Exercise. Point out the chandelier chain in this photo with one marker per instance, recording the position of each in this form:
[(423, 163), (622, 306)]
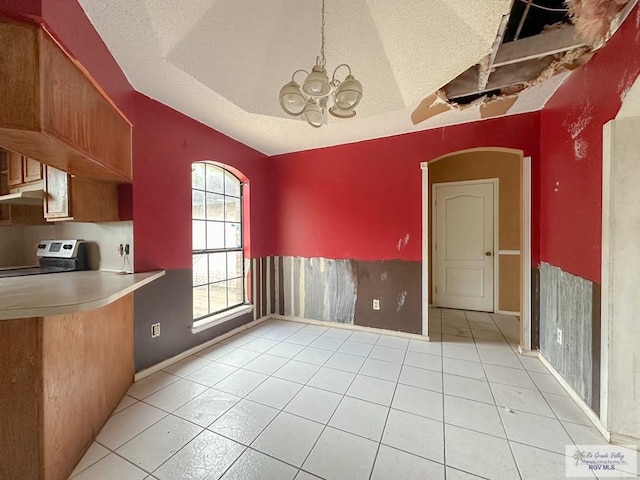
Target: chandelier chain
[(322, 34)]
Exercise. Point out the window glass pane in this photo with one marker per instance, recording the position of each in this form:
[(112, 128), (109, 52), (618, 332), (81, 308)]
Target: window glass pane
[(235, 292), (218, 296), (231, 185), (232, 209), (234, 264), (197, 175), (217, 267), (197, 204), (233, 238), (200, 301), (200, 270), (199, 239), (215, 206), (214, 178), (215, 235)]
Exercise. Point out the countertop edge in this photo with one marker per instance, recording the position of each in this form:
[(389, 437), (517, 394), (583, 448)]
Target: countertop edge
[(50, 310)]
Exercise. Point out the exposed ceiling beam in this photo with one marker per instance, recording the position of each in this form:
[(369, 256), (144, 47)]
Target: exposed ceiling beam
[(553, 41), (486, 65), (506, 76)]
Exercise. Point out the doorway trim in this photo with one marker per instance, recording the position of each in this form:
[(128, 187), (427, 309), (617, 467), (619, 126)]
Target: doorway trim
[(525, 257), (496, 223)]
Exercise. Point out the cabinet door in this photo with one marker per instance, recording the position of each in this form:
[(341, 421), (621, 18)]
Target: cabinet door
[(32, 170), (15, 169), (57, 200)]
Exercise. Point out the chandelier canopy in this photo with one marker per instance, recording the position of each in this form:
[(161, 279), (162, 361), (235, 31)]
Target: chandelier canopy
[(313, 99)]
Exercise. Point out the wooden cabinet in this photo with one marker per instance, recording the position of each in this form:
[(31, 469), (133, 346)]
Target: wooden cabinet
[(22, 170), (16, 214), (72, 198), (31, 170), (52, 111)]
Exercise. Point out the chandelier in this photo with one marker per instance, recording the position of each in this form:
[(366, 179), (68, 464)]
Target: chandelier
[(312, 100)]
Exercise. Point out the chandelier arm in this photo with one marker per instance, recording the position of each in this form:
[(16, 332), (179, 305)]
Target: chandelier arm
[(334, 81), (296, 72)]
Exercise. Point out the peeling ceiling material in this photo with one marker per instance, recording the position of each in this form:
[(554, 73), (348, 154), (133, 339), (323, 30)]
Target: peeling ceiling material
[(593, 18), (532, 56)]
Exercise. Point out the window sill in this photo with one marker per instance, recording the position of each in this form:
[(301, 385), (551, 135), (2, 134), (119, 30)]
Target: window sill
[(220, 318)]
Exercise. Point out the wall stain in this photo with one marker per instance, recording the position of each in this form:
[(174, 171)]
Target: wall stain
[(402, 296)]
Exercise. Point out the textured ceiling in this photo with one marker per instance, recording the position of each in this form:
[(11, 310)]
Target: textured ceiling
[(223, 62)]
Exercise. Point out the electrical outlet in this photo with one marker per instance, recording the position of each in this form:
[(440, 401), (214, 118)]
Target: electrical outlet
[(155, 330), (376, 304), (559, 336), (121, 249), (126, 249)]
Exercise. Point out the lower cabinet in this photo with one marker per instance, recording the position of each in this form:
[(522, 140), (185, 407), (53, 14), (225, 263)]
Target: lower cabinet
[(78, 199), (61, 377)]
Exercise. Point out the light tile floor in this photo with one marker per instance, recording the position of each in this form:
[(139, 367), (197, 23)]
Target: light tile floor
[(288, 400)]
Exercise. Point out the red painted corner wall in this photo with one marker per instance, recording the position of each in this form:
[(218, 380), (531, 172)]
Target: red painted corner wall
[(364, 200), (571, 150), (165, 143)]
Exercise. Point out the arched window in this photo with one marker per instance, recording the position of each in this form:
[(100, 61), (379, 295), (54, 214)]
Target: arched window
[(218, 265)]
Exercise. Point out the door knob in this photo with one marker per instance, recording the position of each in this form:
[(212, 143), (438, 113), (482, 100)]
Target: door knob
[(488, 254)]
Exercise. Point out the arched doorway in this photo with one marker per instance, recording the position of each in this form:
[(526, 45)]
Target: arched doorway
[(506, 254)]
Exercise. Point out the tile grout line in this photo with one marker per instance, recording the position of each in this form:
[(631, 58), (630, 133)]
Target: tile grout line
[(386, 420), (504, 428), (444, 422)]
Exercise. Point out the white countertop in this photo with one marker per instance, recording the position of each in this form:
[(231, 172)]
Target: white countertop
[(60, 293)]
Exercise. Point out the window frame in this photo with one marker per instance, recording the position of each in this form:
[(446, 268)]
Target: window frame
[(218, 316)]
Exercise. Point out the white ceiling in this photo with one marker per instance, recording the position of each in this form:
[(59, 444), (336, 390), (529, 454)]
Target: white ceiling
[(223, 62)]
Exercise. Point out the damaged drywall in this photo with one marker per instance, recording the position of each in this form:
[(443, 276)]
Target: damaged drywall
[(575, 126), (566, 328), (316, 288), (343, 291), (495, 81)]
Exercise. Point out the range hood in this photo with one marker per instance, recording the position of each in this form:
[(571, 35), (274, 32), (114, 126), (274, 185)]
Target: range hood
[(27, 197)]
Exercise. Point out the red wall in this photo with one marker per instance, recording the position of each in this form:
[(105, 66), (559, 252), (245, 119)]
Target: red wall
[(165, 144), (359, 200), (571, 173)]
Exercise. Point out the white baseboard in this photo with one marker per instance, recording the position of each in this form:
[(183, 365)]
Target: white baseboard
[(357, 328), (528, 353), (508, 312), (620, 439), (581, 403), (198, 348)]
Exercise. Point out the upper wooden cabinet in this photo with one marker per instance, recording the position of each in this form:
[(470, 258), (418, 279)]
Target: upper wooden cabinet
[(22, 170), (53, 112), (78, 199)]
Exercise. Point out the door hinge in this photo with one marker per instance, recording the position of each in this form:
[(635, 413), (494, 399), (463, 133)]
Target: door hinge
[(436, 289)]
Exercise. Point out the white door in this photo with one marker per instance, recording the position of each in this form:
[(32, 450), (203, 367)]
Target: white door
[(463, 249)]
